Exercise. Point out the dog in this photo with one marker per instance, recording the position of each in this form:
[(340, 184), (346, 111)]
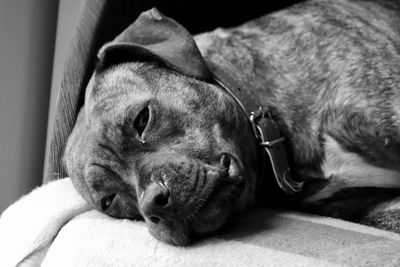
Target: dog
[(157, 139)]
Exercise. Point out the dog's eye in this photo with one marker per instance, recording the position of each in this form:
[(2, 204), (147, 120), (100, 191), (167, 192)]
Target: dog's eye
[(141, 121), (107, 201)]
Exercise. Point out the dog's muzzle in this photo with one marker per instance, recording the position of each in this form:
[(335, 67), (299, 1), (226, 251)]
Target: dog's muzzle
[(177, 195)]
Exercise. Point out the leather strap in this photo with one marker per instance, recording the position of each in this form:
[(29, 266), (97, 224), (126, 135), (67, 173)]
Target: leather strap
[(271, 139), (266, 130)]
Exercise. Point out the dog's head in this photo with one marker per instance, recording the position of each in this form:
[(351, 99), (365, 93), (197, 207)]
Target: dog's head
[(155, 140)]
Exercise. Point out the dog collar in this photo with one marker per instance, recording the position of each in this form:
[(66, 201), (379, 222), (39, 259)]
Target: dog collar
[(266, 130)]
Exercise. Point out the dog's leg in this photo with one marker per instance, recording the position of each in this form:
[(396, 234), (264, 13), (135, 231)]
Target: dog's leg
[(385, 215)]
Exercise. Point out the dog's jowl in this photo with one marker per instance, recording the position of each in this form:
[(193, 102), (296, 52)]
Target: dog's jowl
[(158, 139)]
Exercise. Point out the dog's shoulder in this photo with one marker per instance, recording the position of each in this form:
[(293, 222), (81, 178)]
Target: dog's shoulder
[(311, 20)]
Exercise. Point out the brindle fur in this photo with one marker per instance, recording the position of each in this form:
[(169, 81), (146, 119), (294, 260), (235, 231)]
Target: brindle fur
[(329, 70), (325, 69)]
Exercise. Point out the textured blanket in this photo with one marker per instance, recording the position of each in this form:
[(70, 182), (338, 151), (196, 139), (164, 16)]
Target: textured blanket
[(53, 226)]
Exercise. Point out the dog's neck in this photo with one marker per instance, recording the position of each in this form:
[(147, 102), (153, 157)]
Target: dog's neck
[(266, 131), (242, 68)]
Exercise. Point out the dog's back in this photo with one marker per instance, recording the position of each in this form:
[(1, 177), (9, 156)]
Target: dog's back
[(329, 70)]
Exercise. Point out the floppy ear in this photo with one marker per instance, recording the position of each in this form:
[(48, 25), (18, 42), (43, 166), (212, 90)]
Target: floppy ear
[(156, 37)]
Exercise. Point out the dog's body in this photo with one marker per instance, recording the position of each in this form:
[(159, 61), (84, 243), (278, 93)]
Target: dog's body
[(329, 71)]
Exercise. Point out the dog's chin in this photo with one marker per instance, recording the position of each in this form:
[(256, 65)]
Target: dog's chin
[(182, 233), (211, 218)]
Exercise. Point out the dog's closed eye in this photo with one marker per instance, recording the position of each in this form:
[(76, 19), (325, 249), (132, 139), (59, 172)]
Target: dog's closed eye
[(141, 122), (107, 201)]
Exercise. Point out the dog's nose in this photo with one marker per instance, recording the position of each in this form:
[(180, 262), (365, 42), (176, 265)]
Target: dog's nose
[(155, 202)]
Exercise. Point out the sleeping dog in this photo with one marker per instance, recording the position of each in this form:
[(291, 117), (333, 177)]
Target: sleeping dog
[(165, 136)]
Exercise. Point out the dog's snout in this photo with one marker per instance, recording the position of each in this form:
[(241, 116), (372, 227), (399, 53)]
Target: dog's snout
[(155, 202)]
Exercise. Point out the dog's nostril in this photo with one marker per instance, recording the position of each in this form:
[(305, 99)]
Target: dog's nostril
[(162, 199), (155, 219), (155, 203)]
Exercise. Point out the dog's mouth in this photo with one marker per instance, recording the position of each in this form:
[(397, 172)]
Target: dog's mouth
[(181, 216), (216, 210), (206, 218)]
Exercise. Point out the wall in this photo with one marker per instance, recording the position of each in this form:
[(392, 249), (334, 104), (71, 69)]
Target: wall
[(27, 36)]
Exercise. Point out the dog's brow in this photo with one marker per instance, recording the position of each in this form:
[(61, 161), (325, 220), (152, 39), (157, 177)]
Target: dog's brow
[(106, 168)]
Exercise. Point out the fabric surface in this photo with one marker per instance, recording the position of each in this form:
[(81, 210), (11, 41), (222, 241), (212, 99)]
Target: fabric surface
[(28, 227), (53, 226)]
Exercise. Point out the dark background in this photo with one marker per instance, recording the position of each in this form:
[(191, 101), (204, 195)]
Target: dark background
[(207, 15), (200, 16)]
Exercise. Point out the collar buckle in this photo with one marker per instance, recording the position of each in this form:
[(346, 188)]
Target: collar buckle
[(265, 130), (269, 137)]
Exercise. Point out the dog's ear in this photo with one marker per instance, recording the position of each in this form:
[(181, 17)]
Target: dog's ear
[(156, 37)]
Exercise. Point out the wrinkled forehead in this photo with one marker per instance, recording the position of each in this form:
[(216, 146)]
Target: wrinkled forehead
[(133, 84)]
